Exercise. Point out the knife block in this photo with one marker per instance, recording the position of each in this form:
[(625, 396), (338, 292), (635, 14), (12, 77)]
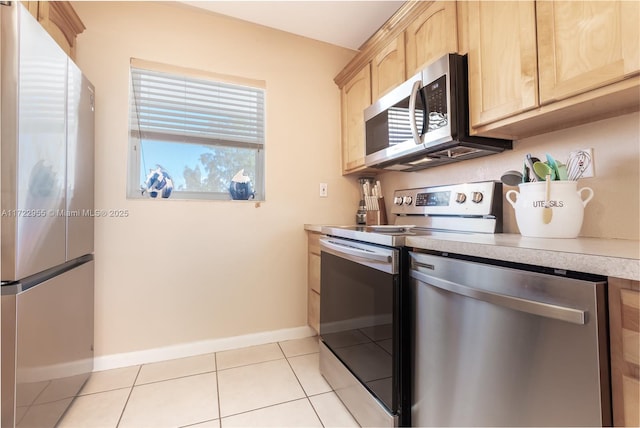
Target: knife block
[(376, 217)]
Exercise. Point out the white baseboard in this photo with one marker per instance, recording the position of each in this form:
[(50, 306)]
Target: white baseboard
[(114, 361)]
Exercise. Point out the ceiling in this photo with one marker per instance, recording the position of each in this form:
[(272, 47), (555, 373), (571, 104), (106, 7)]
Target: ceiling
[(343, 23)]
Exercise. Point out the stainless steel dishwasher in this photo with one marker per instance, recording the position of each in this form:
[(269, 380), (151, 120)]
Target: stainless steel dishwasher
[(504, 346)]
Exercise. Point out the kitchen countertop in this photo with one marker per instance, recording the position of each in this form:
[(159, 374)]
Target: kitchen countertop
[(618, 258)]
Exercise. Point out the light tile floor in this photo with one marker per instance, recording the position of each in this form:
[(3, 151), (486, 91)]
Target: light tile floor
[(273, 385)]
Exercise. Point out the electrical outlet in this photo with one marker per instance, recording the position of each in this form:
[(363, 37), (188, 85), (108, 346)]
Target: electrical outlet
[(580, 164), (589, 170), (324, 189)]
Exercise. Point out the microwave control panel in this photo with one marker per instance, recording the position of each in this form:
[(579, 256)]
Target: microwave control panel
[(435, 94)]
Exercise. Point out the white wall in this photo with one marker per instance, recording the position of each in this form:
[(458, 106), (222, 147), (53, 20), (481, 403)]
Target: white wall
[(175, 272), (614, 210)]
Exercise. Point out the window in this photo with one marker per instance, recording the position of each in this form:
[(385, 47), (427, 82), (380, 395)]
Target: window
[(191, 132)]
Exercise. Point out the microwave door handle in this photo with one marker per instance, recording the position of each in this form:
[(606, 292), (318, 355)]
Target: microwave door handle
[(412, 112)]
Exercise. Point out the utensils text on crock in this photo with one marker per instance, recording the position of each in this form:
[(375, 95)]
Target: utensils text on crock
[(542, 170), (577, 164), (512, 178), (547, 212)]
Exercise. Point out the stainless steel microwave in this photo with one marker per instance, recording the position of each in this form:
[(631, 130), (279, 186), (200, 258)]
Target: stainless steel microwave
[(424, 122)]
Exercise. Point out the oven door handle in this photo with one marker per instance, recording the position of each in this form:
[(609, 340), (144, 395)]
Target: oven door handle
[(354, 253), (546, 310)]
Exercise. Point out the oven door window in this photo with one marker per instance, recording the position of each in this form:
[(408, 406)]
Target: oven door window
[(357, 322)]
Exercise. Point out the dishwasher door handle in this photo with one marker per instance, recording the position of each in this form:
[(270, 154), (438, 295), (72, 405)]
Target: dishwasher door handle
[(546, 310)]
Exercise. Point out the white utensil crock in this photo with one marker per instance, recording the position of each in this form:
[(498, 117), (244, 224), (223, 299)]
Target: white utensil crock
[(565, 200)]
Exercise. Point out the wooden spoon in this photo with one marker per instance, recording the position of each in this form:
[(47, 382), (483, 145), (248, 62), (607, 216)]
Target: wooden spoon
[(547, 212)]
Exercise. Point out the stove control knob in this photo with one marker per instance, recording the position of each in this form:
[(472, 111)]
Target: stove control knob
[(407, 200), (476, 197), (397, 200), (460, 198)]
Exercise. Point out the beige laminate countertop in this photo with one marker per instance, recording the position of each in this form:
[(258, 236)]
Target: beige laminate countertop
[(618, 258)]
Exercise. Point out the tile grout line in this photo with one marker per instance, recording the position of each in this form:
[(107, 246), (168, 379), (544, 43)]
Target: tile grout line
[(283, 357), (301, 386), (251, 364), (266, 407), (215, 362), (128, 396), (175, 378)]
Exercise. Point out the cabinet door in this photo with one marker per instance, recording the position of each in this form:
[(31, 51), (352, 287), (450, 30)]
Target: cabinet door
[(387, 68), (313, 280), (624, 325), (61, 22), (32, 7), (584, 45), (502, 60), (356, 96), (433, 34)]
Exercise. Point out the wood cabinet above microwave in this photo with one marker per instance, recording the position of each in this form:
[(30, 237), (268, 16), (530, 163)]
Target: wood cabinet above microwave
[(431, 35), (387, 68)]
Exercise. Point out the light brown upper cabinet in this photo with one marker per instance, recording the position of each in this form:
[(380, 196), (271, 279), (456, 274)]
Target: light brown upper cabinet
[(60, 20), (431, 35), (387, 68), (583, 45), (502, 59), (355, 97), (535, 67)]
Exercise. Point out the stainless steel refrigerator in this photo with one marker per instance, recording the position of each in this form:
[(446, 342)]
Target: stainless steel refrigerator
[(46, 228)]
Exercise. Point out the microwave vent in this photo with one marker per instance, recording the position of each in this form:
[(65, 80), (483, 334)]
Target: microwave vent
[(456, 152)]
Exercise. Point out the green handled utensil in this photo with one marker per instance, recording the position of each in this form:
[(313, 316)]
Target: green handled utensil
[(562, 171), (542, 170), (553, 165)]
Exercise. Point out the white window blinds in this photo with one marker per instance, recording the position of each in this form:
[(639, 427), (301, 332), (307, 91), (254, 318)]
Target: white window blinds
[(170, 107)]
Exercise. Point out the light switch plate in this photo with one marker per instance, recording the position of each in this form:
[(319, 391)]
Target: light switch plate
[(324, 190)]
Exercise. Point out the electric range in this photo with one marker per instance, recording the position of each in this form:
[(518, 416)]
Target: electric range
[(459, 208), (365, 311)]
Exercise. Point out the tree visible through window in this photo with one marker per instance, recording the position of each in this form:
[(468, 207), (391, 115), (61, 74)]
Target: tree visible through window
[(193, 134)]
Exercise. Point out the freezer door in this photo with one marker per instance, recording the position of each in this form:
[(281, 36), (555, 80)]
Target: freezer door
[(50, 350), (80, 162), (34, 152)]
